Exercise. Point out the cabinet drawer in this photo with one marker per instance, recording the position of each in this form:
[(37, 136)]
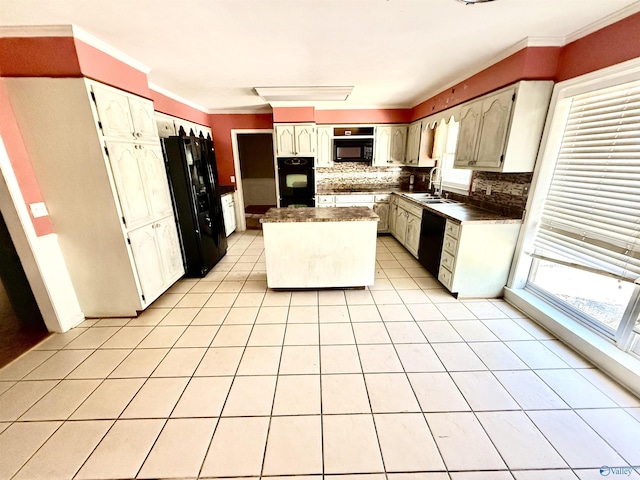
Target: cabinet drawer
[(324, 199), (411, 208), (445, 277), (354, 199), (382, 198), (452, 229), (450, 244), (447, 260)]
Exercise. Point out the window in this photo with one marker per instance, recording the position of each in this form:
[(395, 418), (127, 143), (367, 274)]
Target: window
[(587, 248), (453, 179)]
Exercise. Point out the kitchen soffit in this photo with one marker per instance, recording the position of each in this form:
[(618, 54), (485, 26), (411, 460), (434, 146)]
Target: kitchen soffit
[(396, 53)]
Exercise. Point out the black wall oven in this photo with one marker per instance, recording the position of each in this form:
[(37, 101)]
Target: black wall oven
[(296, 181)]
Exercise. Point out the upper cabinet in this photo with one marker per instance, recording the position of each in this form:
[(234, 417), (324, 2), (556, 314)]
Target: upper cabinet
[(390, 145), (123, 116), (501, 131), (325, 144), (413, 143), (169, 126), (293, 140)]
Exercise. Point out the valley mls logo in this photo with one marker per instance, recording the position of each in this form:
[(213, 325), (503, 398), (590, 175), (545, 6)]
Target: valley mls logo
[(605, 471)]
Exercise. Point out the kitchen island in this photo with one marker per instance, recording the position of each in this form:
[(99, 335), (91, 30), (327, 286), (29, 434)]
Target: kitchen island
[(320, 247)]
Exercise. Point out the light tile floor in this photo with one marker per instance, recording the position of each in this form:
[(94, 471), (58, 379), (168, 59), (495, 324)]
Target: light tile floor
[(222, 377)]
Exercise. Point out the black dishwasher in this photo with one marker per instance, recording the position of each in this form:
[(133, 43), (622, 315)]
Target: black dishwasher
[(431, 238)]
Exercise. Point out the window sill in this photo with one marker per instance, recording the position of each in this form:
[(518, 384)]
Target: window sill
[(622, 366)]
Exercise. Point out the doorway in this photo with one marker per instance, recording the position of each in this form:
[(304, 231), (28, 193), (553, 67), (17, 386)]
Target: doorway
[(21, 324), (256, 176)]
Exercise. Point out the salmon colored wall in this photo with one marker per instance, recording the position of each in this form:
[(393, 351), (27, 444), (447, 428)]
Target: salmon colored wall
[(530, 63), (608, 46), (20, 162), (293, 114), (164, 104), (39, 57), (379, 115), (221, 126), (102, 67)]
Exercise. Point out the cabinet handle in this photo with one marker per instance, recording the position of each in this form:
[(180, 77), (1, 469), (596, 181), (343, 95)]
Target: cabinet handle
[(138, 134)]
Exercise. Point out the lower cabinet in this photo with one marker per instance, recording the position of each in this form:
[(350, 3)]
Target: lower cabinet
[(476, 257), (382, 210), (378, 203), (229, 213), (156, 253), (406, 220)]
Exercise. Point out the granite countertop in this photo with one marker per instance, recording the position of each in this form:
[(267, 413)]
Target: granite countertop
[(464, 213), (376, 189), (311, 214)]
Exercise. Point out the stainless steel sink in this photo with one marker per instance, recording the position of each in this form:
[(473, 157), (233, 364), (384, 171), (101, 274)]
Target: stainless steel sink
[(427, 198)]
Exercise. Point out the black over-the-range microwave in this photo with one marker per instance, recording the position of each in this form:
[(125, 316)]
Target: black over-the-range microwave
[(353, 144)]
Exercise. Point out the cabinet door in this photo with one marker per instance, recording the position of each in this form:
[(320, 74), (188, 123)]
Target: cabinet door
[(130, 183), (426, 155), (383, 147), (393, 214), (494, 124), (325, 152), (166, 127), (170, 251), (468, 135), (143, 117), (305, 140), (413, 143), (232, 217), (382, 209), (146, 256), (285, 140), (155, 180), (401, 225), (412, 240), (398, 145), (113, 112)]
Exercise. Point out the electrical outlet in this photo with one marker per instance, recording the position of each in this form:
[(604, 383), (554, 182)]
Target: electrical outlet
[(489, 189), (38, 210), (233, 179), (525, 190)]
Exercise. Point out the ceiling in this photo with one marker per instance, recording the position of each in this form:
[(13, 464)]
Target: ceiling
[(396, 53)]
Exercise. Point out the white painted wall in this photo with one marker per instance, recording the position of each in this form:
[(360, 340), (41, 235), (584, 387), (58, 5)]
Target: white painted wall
[(41, 257)]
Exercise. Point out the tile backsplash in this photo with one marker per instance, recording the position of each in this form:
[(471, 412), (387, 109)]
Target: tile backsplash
[(507, 192)]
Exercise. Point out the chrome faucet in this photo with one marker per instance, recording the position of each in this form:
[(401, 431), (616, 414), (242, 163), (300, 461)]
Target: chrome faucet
[(438, 186)]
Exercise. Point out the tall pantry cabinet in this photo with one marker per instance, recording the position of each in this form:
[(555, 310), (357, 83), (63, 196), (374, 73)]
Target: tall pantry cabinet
[(99, 164)]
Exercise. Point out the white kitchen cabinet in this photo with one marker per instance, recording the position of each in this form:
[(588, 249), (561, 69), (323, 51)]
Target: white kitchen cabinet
[(413, 143), (122, 115), (501, 131), (229, 213), (402, 217), (393, 214), (191, 128), (412, 238), (476, 257), (325, 147), (390, 145), (166, 125), (381, 206), (292, 140), (101, 183)]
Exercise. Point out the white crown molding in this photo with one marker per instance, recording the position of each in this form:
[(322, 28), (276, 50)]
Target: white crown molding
[(108, 49), (604, 22), (177, 98), (29, 31), (242, 111)]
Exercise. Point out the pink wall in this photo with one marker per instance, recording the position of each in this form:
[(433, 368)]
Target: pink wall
[(39, 57), (20, 162), (168, 105), (221, 126), (531, 63), (608, 46), (293, 114), (379, 115)]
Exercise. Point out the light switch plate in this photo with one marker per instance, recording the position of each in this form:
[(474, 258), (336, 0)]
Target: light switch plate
[(38, 209), (233, 179), (489, 189)]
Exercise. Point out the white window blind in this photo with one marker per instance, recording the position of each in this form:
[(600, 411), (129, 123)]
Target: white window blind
[(591, 216)]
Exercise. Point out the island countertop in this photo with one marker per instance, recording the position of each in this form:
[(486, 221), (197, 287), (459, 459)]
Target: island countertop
[(312, 214)]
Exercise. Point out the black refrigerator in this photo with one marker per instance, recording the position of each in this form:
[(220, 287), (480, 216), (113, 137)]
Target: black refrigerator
[(191, 166)]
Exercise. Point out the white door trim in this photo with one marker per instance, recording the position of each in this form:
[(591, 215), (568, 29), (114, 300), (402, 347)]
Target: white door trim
[(241, 222)]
